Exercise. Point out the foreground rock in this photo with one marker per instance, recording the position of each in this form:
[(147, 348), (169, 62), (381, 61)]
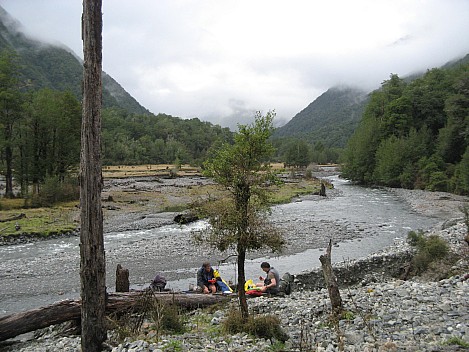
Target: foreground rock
[(381, 314)]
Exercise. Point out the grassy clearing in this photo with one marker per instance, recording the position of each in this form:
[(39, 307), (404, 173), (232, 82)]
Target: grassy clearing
[(40, 221), (64, 218)]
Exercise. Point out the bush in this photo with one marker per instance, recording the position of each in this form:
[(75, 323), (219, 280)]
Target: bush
[(429, 249), (55, 190), (436, 247), (263, 326), (233, 323), (415, 239)]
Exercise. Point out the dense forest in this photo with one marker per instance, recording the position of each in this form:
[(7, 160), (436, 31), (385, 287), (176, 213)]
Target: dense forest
[(319, 132), (415, 134), (40, 135)]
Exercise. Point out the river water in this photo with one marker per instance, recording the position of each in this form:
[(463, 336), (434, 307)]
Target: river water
[(40, 273)]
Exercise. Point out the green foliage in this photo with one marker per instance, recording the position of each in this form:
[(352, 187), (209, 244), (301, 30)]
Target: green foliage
[(162, 139), (457, 341), (298, 154), (416, 239), (429, 249), (55, 190), (243, 169), (239, 221), (263, 326), (330, 119), (415, 135)]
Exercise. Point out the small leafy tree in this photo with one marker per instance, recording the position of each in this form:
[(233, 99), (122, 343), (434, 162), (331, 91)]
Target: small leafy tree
[(238, 221)]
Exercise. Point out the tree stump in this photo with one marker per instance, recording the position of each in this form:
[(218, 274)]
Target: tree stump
[(122, 279), (331, 280), (322, 192)]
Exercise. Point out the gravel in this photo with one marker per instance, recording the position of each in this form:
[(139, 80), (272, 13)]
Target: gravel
[(390, 315)]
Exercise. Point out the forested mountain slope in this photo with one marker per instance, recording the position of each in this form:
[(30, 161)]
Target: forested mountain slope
[(330, 119), (55, 67), (415, 134)]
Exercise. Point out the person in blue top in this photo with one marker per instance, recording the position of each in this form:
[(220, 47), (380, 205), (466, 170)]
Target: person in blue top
[(206, 278)]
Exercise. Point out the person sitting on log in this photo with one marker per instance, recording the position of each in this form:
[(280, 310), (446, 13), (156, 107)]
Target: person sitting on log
[(206, 279), (271, 282)]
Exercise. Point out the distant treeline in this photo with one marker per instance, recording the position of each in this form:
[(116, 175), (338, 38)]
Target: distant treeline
[(130, 139), (40, 136), (415, 135)]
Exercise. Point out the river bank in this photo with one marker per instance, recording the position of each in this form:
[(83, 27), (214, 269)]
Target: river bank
[(149, 255), (382, 314)]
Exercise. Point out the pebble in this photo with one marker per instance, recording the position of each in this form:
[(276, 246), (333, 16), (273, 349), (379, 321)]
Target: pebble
[(390, 315)]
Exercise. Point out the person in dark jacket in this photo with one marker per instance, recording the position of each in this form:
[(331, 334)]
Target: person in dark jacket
[(271, 282), (206, 278)]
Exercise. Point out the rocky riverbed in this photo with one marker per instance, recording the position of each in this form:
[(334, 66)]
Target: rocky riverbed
[(385, 314)]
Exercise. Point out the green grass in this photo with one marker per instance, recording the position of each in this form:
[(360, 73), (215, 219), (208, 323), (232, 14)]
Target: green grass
[(457, 341), (286, 192), (39, 221)]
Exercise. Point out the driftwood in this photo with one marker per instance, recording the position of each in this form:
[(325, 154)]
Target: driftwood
[(331, 280), (15, 217), (23, 322)]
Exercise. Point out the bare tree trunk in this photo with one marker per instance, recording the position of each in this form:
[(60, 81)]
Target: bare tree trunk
[(92, 261), (331, 280), (9, 172), (243, 304)]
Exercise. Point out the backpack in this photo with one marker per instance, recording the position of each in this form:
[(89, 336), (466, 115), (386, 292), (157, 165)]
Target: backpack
[(158, 283)]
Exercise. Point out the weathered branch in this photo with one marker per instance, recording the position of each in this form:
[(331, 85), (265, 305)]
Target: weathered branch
[(20, 323)]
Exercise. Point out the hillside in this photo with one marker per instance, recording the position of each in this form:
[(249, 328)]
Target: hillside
[(56, 67), (331, 118)]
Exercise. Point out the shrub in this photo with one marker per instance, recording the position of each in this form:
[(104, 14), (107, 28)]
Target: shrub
[(233, 323), (267, 327), (416, 239), (55, 190), (263, 326), (429, 249), (457, 342), (436, 247)]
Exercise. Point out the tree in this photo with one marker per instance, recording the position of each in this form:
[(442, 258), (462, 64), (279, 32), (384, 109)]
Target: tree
[(298, 153), (49, 138), (237, 221), (10, 112), (92, 263)]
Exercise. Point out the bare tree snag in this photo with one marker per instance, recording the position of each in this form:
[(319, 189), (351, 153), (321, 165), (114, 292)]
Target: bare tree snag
[(92, 262), (331, 280), (23, 322), (322, 192), (122, 279)]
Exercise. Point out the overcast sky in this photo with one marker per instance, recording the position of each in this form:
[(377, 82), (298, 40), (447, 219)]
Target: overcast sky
[(222, 60)]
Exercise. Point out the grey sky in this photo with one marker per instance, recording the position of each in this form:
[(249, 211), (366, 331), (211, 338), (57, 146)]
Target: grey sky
[(222, 60)]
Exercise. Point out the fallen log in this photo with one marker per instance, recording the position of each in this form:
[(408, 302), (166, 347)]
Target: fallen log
[(14, 217), (56, 313)]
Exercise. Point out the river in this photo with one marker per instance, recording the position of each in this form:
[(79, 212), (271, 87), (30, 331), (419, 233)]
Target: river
[(40, 273)]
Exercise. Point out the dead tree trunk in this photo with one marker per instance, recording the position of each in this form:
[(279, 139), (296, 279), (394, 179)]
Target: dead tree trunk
[(23, 322), (331, 280), (122, 279), (322, 192), (92, 262)]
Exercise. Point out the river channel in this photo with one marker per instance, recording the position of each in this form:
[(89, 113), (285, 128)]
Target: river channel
[(359, 220)]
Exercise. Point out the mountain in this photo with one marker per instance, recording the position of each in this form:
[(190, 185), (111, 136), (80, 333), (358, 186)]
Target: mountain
[(57, 67), (330, 119)]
